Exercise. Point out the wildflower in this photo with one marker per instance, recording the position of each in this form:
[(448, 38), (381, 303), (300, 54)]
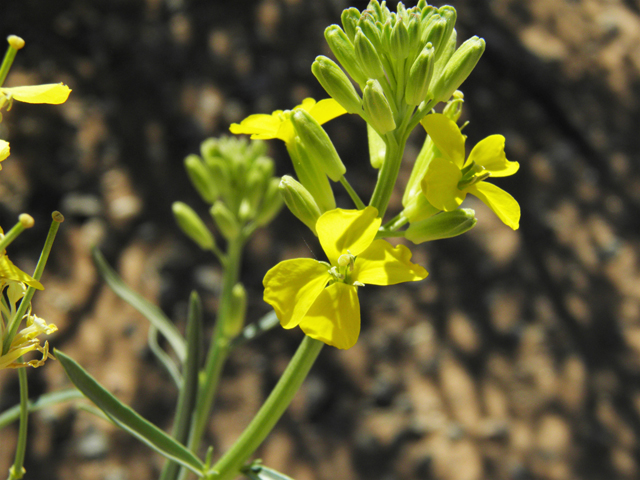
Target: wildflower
[(27, 339), (4, 151), (449, 178), (279, 125), (322, 297)]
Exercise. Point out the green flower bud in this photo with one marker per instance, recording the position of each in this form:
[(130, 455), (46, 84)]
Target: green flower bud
[(446, 52), (318, 144), (413, 29), (377, 148), (367, 56), (350, 19), (337, 84), (420, 74), (450, 15), (400, 40), (458, 68), (443, 225), (385, 36), (344, 51), (210, 148), (234, 323), (271, 203), (256, 183), (219, 170), (300, 202), (377, 108), (192, 225), (453, 108), (311, 175), (225, 220), (434, 33), (201, 178), (368, 26)]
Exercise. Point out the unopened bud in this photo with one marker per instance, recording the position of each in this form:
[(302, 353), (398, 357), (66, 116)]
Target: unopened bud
[(201, 178), (400, 44), (318, 144), (350, 18), (311, 175), (458, 68), (192, 225), (234, 323), (256, 183), (377, 108), (345, 52), (434, 33), (370, 29), (377, 147), (300, 202), (367, 56), (271, 203), (225, 220), (337, 84), (420, 75), (26, 220), (453, 108), (450, 16), (443, 225)]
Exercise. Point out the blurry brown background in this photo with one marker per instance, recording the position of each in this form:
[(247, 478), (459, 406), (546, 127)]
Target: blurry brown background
[(517, 358)]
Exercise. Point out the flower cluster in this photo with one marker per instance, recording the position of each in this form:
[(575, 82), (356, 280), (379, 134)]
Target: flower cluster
[(403, 63)]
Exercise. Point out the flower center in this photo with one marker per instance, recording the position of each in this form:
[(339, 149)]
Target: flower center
[(472, 174), (341, 273)]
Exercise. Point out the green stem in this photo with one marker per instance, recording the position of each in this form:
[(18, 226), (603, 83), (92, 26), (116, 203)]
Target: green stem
[(25, 222), (387, 175), (17, 470), (352, 193), (219, 349), (14, 324), (270, 412), (7, 61)]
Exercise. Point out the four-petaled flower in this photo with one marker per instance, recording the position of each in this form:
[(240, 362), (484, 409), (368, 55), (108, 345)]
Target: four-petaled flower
[(262, 126), (322, 298), (449, 177)]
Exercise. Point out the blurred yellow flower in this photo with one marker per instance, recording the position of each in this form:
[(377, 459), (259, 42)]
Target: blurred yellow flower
[(449, 177), (52, 93), (4, 151), (322, 297), (278, 125)]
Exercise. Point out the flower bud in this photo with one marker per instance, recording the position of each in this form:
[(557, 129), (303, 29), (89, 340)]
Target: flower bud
[(192, 225), (271, 203), (344, 51), (445, 54), (420, 76), (318, 144), (350, 18), (225, 220), (300, 202), (201, 178), (400, 40), (450, 16), (458, 68), (453, 108), (234, 322), (443, 225), (311, 175), (337, 84), (367, 56), (219, 171), (368, 26), (377, 147), (377, 108), (15, 42), (434, 33)]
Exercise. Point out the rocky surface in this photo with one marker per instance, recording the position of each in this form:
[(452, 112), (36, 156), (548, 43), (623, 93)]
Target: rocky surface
[(517, 358)]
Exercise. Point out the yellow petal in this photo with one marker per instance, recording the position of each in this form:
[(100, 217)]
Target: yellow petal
[(4, 150), (10, 272), (440, 185), (326, 110), (53, 93), (489, 153), (382, 264), (446, 136), (334, 318), (260, 126), (292, 286), (503, 204), (341, 230)]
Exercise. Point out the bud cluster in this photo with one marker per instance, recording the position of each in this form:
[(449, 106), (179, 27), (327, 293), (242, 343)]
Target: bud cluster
[(400, 60), (235, 177)]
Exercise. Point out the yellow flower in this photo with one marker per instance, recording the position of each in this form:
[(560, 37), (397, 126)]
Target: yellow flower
[(4, 151), (449, 177), (278, 124), (27, 339), (53, 93), (321, 298), (8, 271)]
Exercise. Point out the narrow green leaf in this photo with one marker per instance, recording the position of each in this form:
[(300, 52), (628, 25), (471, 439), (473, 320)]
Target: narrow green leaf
[(11, 415), (165, 360), (189, 387), (126, 418), (137, 301)]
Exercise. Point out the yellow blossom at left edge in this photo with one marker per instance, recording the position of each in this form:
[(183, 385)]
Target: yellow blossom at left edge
[(321, 298), (278, 125), (4, 151), (51, 93)]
